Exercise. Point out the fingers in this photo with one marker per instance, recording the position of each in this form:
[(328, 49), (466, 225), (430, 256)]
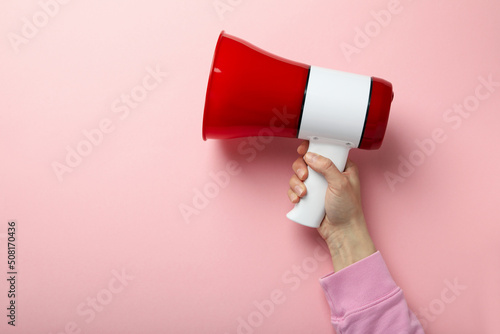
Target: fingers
[(297, 189), (302, 149), (297, 186), (300, 168), (293, 196), (323, 166)]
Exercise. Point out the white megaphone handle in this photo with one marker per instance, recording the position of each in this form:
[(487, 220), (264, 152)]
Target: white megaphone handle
[(310, 210)]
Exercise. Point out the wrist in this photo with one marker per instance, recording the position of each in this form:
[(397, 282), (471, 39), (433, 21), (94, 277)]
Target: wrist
[(349, 243)]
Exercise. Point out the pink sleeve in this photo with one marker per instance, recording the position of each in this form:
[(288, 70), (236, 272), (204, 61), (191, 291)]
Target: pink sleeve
[(364, 298)]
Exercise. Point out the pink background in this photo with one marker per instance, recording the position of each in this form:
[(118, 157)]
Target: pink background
[(118, 212)]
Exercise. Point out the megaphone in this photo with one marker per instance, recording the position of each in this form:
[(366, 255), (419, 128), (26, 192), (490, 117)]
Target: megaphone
[(252, 92)]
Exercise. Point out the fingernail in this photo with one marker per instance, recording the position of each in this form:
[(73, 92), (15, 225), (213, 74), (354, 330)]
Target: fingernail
[(298, 190), (310, 157), (301, 173)]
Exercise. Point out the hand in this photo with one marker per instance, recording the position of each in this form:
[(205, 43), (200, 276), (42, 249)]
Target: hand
[(343, 228)]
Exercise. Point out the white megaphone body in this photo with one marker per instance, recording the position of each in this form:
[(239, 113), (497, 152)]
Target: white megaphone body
[(334, 110)]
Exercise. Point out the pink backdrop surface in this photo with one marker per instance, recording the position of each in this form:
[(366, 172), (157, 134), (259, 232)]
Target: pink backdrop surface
[(120, 226)]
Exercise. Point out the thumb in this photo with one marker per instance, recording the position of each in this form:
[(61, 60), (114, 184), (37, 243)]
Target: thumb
[(323, 166)]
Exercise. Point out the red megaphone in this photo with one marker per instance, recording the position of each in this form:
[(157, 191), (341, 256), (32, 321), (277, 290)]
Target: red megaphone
[(254, 93)]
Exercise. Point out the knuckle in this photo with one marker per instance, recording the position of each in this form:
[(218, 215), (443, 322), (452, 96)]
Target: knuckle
[(343, 183), (292, 196), (326, 164), (354, 169), (297, 164)]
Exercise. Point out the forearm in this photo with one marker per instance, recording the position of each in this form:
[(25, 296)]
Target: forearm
[(349, 243)]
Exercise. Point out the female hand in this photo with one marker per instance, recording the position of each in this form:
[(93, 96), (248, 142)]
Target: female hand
[(343, 228)]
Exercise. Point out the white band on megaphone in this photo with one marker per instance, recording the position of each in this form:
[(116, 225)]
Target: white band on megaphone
[(335, 106)]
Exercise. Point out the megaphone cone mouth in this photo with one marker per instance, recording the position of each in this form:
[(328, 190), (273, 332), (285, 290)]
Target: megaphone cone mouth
[(252, 92), (381, 97), (209, 86)]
